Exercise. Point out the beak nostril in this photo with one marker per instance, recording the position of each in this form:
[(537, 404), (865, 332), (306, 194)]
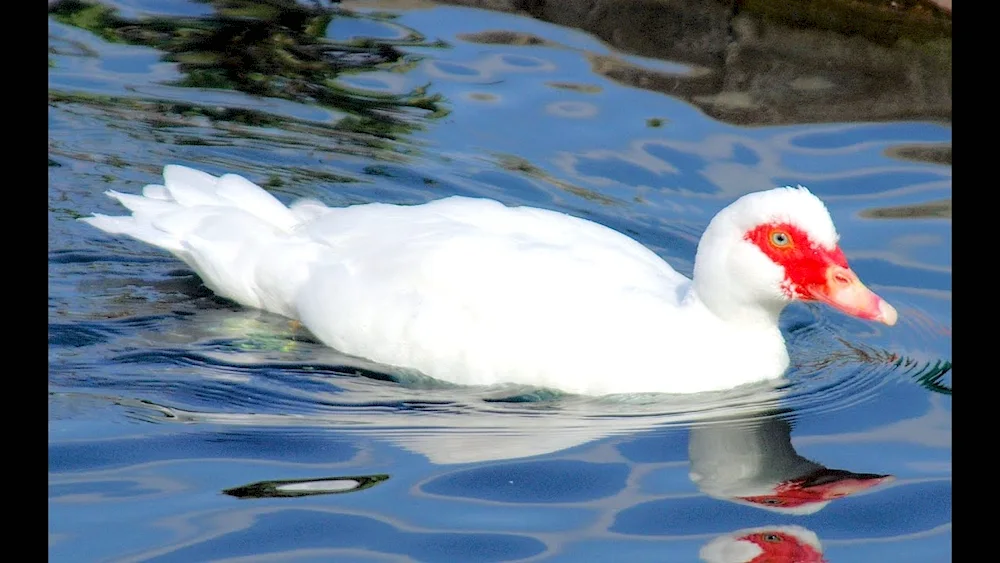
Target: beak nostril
[(842, 279)]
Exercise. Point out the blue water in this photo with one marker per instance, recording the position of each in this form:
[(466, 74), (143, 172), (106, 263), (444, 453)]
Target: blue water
[(185, 428)]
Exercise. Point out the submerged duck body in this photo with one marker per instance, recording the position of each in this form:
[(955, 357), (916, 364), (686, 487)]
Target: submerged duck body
[(474, 292)]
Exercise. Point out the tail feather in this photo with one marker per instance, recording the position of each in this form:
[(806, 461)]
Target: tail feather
[(156, 191), (238, 191), (193, 188), (141, 230), (190, 187), (192, 192), (143, 206), (305, 210), (224, 228)]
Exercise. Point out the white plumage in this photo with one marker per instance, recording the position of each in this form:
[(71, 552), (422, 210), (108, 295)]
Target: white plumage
[(474, 292)]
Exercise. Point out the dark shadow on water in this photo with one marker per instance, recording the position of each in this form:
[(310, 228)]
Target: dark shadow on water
[(306, 487), (252, 73), (267, 48)]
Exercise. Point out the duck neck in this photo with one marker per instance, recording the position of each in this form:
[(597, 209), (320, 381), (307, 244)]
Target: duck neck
[(725, 304), (720, 279)]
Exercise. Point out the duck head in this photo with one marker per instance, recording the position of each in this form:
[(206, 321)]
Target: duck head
[(770, 248)]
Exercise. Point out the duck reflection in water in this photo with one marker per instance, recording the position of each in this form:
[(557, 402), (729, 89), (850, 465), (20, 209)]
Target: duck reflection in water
[(773, 544), (753, 462)]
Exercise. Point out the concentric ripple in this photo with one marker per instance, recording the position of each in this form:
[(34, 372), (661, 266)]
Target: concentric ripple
[(251, 369)]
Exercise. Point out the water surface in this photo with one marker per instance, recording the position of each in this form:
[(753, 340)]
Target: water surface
[(185, 428)]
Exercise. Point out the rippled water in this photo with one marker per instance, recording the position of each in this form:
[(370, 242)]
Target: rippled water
[(184, 428)]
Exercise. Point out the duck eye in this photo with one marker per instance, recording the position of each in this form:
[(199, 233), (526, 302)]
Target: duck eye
[(780, 238), (772, 538)]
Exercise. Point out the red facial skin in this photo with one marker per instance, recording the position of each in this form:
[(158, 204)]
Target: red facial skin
[(805, 261), (781, 547), (815, 273)]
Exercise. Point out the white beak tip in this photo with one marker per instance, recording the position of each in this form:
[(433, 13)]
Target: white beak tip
[(887, 313)]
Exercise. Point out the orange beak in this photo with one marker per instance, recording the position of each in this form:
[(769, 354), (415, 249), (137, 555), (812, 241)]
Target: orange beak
[(845, 292)]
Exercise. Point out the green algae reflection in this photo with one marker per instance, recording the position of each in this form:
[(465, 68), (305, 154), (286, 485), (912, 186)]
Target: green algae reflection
[(272, 49)]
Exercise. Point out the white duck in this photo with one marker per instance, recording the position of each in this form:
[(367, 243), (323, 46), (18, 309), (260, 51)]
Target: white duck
[(473, 292)]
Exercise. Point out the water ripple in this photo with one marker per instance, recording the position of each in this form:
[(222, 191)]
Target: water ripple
[(225, 385), (254, 366), (174, 405)]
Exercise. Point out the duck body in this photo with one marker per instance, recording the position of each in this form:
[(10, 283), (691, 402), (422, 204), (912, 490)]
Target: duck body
[(474, 292), (464, 290)]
